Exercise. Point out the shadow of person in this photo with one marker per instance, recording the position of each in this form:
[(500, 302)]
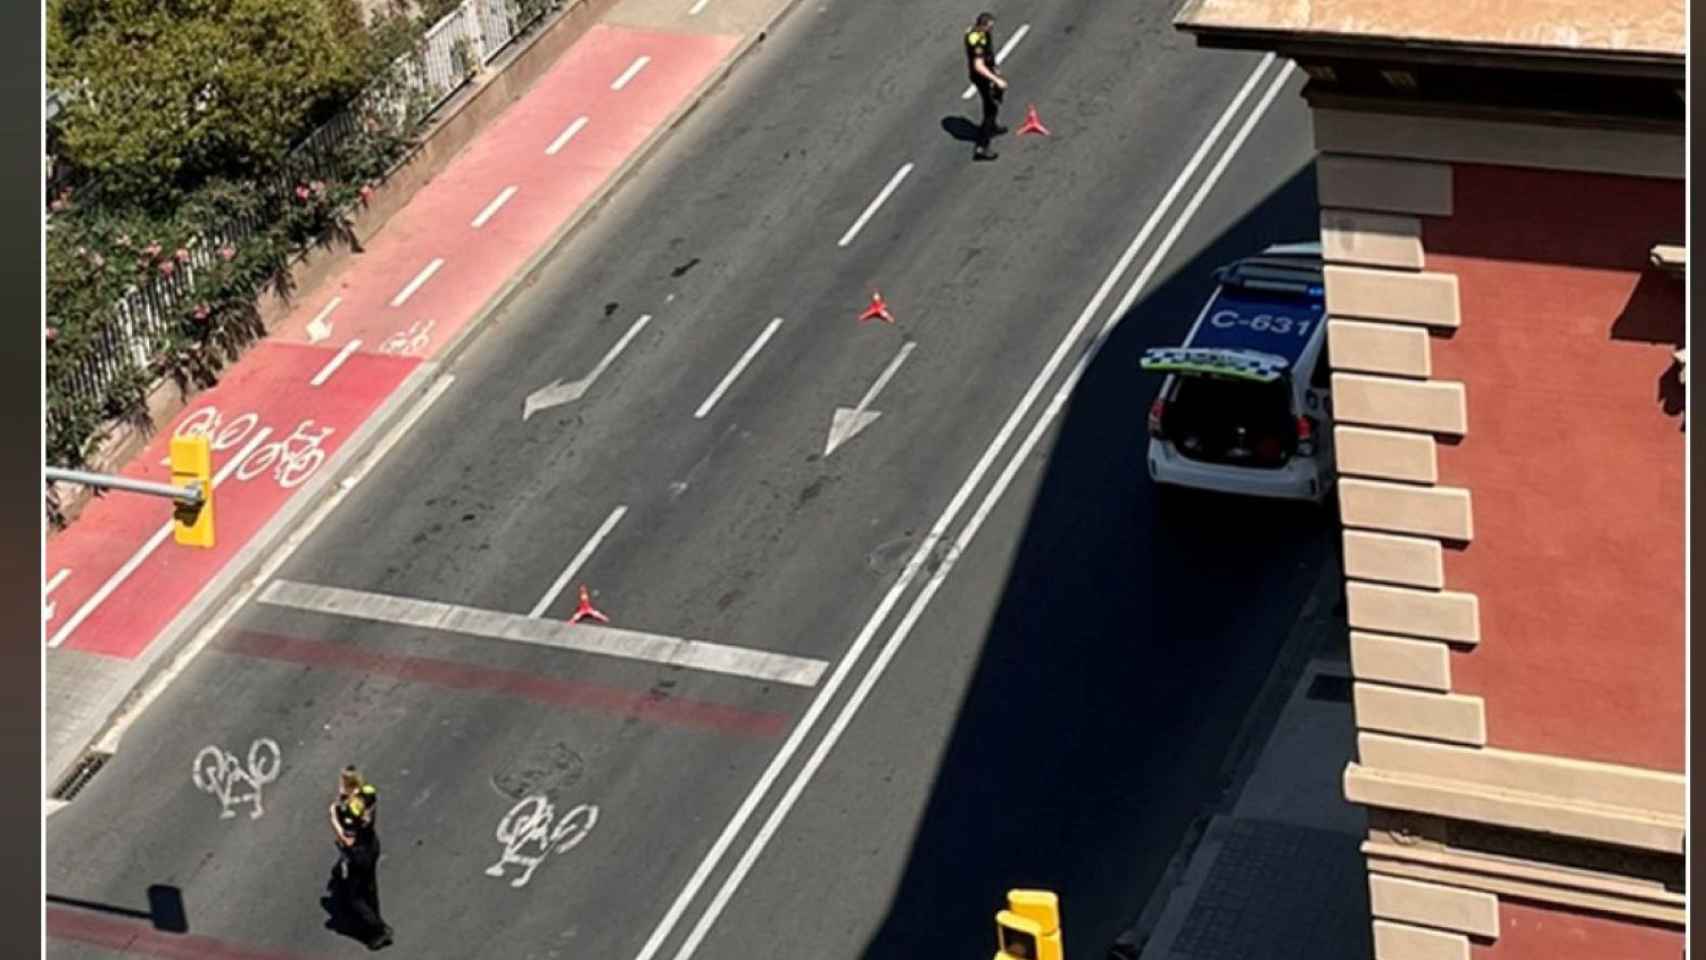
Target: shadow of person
[(960, 129)]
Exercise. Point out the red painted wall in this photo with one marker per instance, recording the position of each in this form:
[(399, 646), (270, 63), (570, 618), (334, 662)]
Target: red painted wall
[(1574, 464), (1529, 932)]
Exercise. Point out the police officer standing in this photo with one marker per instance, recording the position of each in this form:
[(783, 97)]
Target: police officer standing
[(357, 835), (991, 85)]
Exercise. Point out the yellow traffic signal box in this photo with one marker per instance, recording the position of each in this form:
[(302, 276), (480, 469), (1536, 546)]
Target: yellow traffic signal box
[(192, 462), (1029, 929)]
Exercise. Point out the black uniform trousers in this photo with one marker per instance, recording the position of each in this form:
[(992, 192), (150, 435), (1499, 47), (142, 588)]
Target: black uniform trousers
[(361, 885), (990, 94)]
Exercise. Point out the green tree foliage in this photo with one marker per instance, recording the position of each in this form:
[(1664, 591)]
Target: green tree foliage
[(159, 96)]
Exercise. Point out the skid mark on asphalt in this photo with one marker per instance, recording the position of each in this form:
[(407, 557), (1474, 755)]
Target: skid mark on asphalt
[(563, 694)]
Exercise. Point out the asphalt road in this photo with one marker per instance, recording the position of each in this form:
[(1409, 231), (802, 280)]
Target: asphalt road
[(1053, 717)]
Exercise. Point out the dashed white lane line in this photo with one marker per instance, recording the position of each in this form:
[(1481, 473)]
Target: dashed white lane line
[(693, 11), (734, 372), (333, 364), (888, 189), (420, 280), (580, 637), (579, 561), (632, 72), (136, 559), (1001, 55), (493, 207), (564, 137)]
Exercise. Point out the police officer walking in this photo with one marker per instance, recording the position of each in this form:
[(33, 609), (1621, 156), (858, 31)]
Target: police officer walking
[(357, 835), (991, 85)]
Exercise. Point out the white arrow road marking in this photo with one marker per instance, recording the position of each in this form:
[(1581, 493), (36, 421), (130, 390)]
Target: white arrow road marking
[(318, 328), (729, 378), (1001, 55), (585, 638), (847, 423), (558, 392), (53, 584)]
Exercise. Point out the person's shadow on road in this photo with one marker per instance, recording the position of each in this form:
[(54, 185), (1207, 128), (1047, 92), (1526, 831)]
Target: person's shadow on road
[(960, 129)]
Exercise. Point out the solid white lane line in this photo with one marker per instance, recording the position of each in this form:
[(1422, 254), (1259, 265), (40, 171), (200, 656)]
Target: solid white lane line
[(1020, 457), (888, 189), (565, 136), (575, 565), (54, 583), (109, 743), (136, 559), (579, 637), (714, 856), (632, 72), (493, 207), (333, 364), (1001, 55), (415, 284), (693, 11), (729, 378)]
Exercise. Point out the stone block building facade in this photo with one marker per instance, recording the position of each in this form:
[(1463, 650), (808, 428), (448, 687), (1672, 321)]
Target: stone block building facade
[(1502, 215)]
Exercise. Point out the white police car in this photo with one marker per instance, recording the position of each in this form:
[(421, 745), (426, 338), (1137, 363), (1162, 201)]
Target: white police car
[(1245, 407)]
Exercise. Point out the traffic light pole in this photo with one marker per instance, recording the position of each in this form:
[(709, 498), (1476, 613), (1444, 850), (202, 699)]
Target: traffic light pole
[(191, 494)]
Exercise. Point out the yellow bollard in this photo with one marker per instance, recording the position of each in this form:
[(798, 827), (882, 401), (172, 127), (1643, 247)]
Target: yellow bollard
[(1029, 929)]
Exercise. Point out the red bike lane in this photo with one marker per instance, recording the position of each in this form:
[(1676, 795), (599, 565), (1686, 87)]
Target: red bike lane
[(126, 578), (116, 578), (441, 258)]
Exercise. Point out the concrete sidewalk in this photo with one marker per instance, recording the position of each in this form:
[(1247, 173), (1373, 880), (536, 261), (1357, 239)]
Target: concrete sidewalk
[(1278, 874)]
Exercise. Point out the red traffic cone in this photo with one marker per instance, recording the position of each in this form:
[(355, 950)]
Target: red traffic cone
[(1033, 123), (878, 310), (586, 609)]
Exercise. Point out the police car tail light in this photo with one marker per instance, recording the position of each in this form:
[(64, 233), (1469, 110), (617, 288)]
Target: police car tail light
[(1157, 410), (1305, 435)]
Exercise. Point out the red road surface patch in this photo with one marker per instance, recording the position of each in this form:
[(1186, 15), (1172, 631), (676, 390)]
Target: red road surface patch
[(570, 694), (273, 383), (139, 938), (437, 222)]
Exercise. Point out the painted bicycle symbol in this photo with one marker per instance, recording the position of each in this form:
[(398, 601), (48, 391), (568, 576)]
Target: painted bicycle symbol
[(412, 340), (530, 832), (221, 774), (293, 459), (206, 422)]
